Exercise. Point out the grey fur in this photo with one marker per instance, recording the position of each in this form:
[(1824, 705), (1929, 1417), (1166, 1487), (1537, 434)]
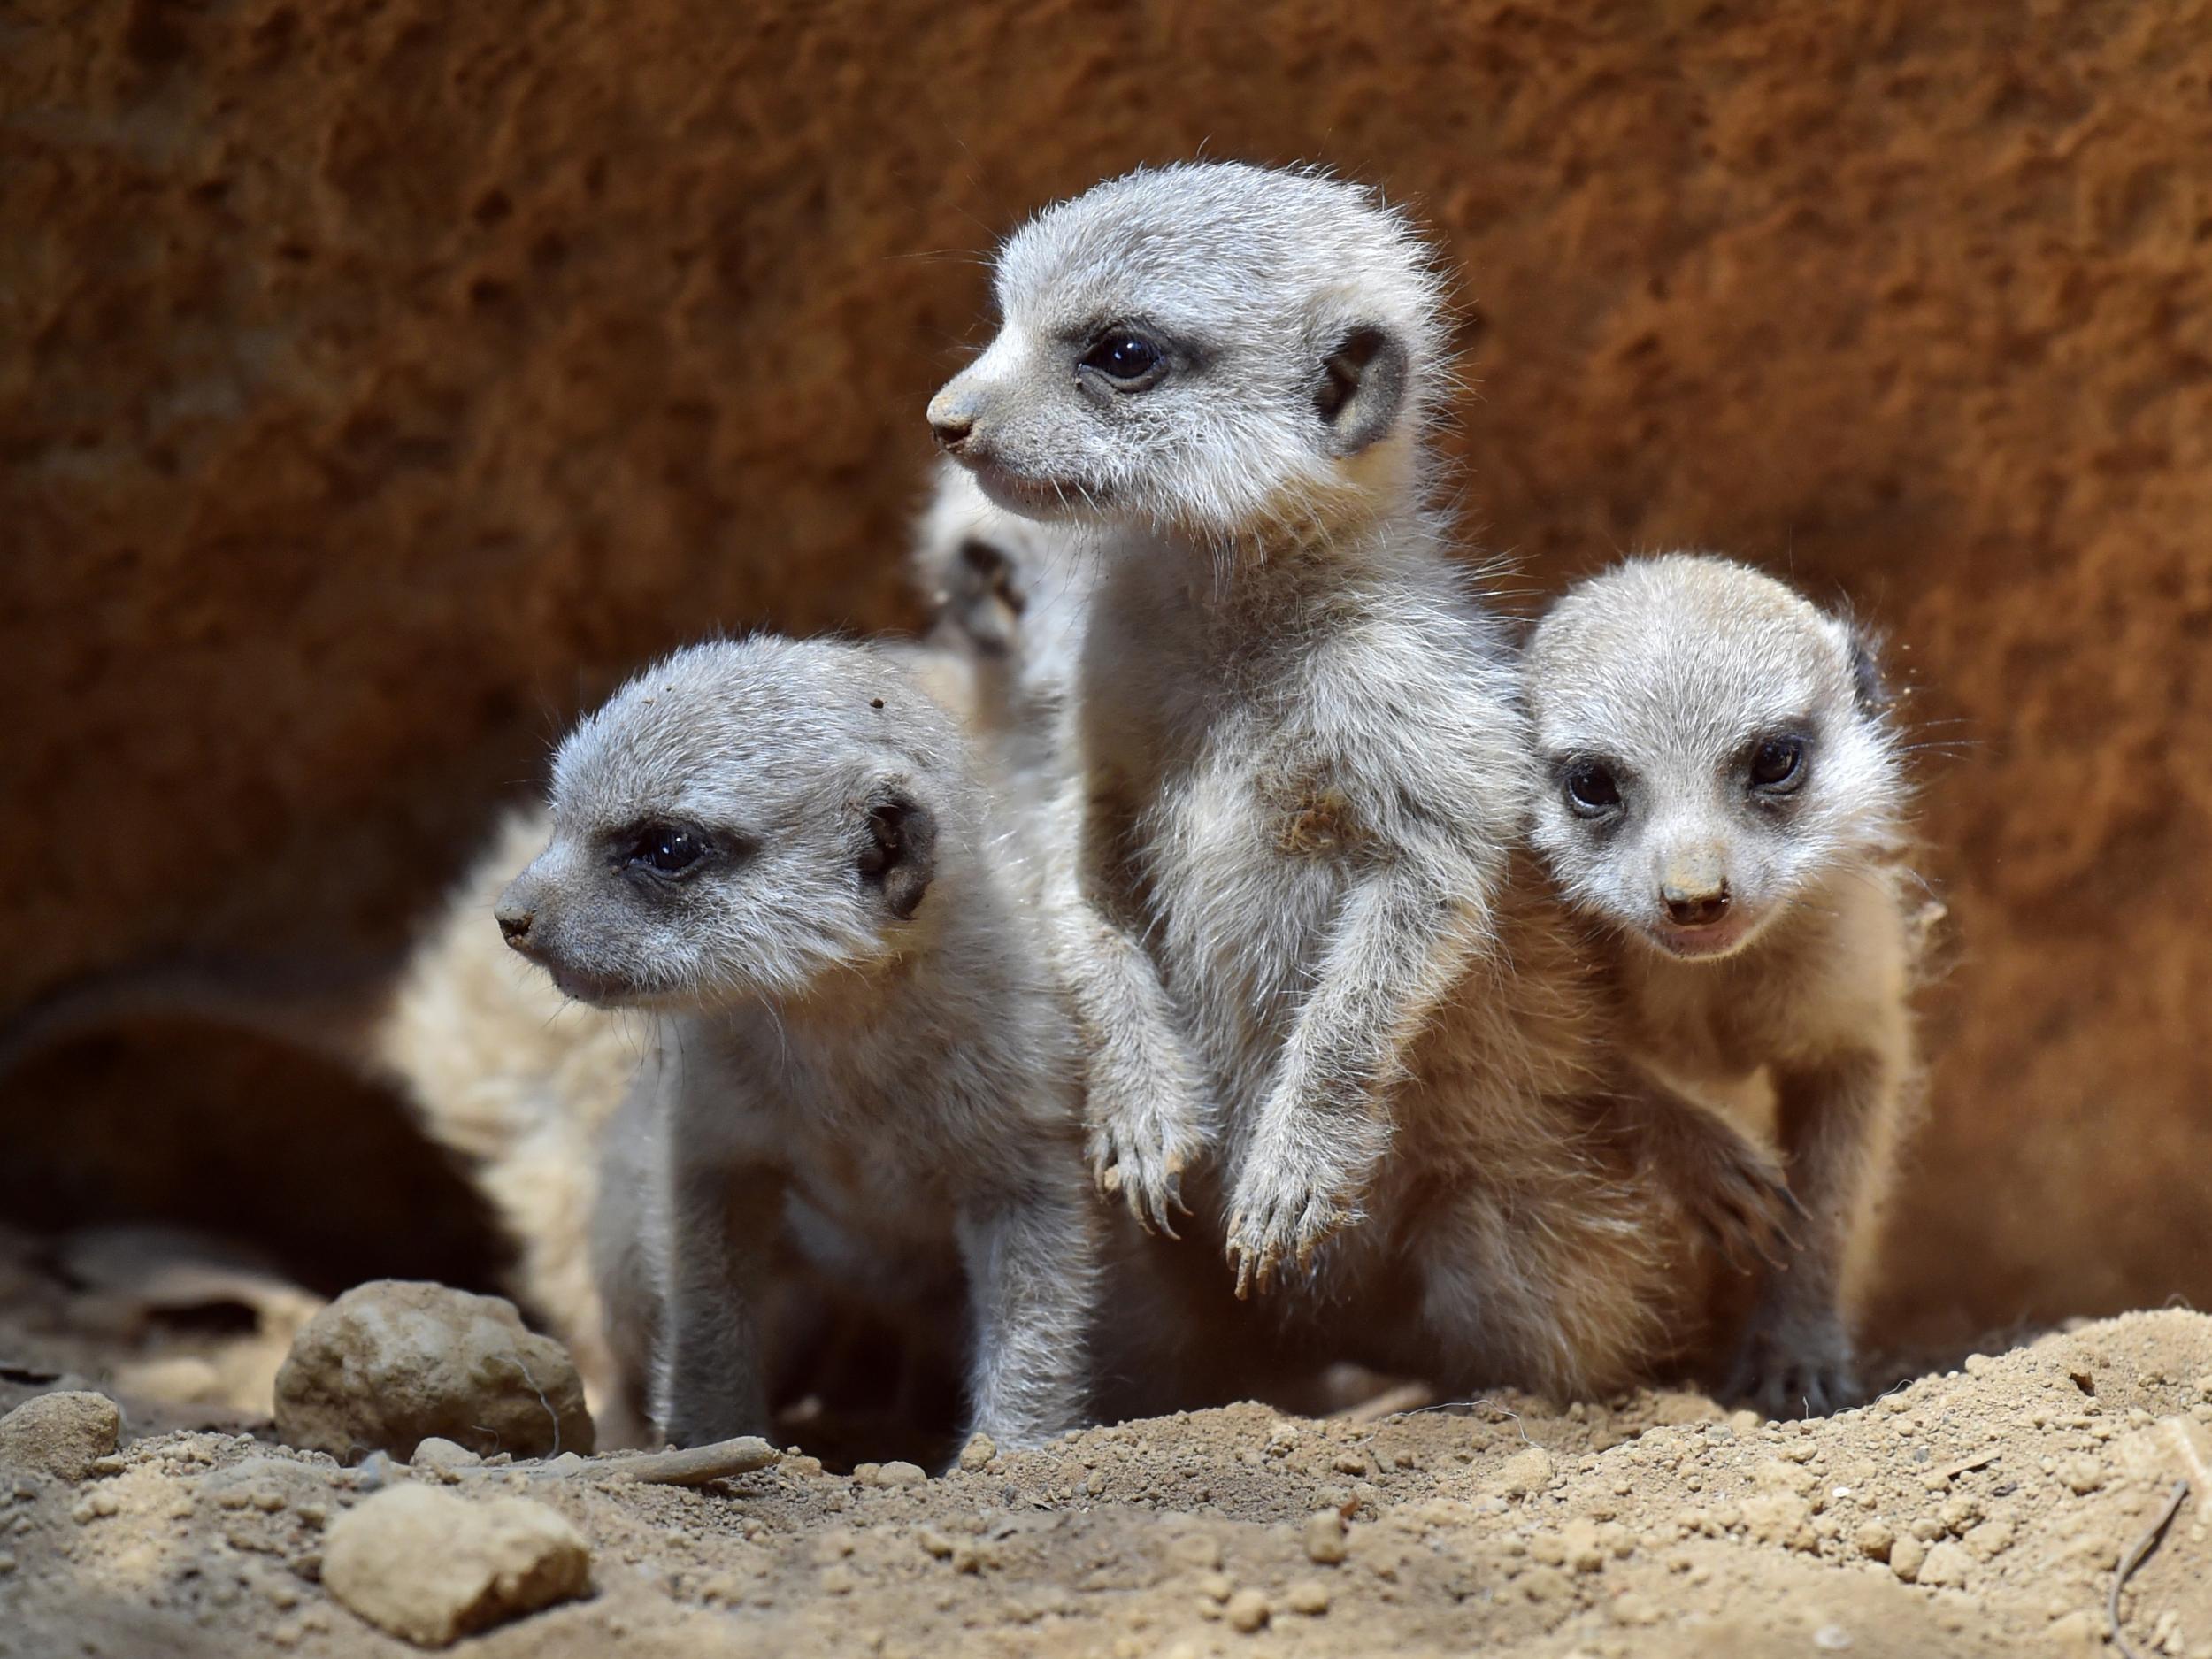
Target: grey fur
[(1286, 901), (849, 1013), (1667, 675)]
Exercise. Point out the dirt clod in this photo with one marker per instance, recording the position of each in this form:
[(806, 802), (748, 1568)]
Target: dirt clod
[(431, 1567), (392, 1363), (60, 1434)]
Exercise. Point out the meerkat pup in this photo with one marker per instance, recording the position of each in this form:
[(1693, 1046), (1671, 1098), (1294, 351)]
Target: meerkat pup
[(777, 850), (1726, 802), (1289, 922)]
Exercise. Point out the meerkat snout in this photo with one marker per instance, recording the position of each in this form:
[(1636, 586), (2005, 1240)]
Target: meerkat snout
[(1695, 888), (515, 917)]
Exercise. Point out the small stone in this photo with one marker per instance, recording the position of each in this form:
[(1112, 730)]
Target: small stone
[(1874, 1539), (2082, 1474), (1527, 1472), (1324, 1537), (1216, 1586), (1308, 1596), (900, 1476), (431, 1567), (1633, 1608), (7, 1565), (1201, 1552), (393, 1363), (1832, 1639), (934, 1543), (1905, 1557), (1248, 1612), (839, 1580), (443, 1457), (60, 1434), (1947, 1564), (978, 1452), (1988, 1540)]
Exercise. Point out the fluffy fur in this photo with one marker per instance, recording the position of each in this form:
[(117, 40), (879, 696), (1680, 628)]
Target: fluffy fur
[(1291, 913), (775, 848), (1742, 863)]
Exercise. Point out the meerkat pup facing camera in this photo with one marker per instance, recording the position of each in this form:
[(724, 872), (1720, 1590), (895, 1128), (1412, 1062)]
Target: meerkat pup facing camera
[(776, 848), (1291, 925), (1726, 799)]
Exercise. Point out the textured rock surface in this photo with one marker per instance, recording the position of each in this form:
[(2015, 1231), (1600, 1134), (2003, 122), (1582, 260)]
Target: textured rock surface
[(389, 379), (431, 1567), (60, 1434), (391, 1363)]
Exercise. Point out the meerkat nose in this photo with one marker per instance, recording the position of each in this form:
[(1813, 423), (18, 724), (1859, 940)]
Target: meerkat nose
[(1686, 909), (514, 926), (952, 418)]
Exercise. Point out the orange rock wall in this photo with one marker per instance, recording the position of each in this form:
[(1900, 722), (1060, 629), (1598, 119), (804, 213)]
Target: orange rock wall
[(379, 380)]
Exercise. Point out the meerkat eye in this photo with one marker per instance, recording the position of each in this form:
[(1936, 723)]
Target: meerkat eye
[(1125, 361), (1777, 765), (666, 849), (1593, 790)]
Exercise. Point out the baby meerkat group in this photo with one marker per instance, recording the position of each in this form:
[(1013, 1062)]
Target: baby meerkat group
[(1220, 947), (1422, 976)]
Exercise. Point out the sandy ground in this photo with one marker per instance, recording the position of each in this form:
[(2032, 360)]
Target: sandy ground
[(1976, 1512)]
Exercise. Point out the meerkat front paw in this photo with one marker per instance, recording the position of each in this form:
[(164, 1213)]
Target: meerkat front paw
[(1792, 1365), (1283, 1210), (1142, 1140), (1739, 1196)]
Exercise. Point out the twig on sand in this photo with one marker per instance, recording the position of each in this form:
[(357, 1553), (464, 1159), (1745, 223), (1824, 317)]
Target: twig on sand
[(2138, 1554), (693, 1466)]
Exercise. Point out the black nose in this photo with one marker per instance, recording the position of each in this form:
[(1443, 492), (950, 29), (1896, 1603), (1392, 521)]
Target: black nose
[(515, 927), (1695, 910), (952, 431)]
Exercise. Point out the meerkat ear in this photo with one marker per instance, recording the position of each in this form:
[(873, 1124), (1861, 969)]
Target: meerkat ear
[(898, 850), (1363, 389), (1867, 683)]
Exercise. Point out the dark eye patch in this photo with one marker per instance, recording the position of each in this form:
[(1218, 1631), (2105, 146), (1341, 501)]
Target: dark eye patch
[(664, 849), (1126, 357), (1591, 788), (1776, 764)]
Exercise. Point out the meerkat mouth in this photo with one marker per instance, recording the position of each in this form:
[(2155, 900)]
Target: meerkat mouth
[(1703, 944), (1037, 498)]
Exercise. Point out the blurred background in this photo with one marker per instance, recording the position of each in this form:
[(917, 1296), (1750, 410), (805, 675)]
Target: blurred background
[(382, 380)]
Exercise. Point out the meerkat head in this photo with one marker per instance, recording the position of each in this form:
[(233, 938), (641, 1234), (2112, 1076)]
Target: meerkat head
[(737, 822), (976, 565), (1714, 746), (1211, 347)]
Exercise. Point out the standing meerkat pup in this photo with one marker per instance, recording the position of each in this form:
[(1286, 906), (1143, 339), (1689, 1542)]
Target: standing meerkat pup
[(1726, 801), (1290, 926), (776, 848)]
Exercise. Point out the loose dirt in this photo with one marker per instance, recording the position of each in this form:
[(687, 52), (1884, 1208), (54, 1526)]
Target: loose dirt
[(1977, 1511)]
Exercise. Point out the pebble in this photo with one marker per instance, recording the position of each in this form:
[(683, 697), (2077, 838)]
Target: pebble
[(1905, 1557), (1527, 1472), (900, 1476), (393, 1361), (430, 1566), (2082, 1474), (1308, 1596), (1248, 1612), (1874, 1539), (978, 1452), (1947, 1564), (443, 1457), (60, 1434), (1324, 1537)]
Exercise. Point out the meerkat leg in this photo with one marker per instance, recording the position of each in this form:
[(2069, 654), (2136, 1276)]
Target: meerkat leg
[(1731, 1186), (1032, 1259), (711, 1382), (1796, 1356), (1146, 1112), (1550, 1292), (1400, 944)]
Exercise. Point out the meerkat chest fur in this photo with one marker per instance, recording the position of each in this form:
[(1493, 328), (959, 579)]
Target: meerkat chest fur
[(1278, 727)]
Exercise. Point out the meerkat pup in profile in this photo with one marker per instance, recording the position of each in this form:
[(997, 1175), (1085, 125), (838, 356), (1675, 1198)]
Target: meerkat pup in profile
[(777, 851), (1726, 800), (1300, 778)]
